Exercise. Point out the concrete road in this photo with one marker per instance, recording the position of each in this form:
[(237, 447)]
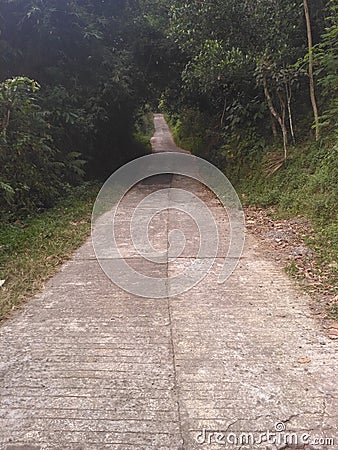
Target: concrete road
[(86, 365)]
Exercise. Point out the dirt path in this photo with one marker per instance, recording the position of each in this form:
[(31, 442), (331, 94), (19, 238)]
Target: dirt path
[(85, 365)]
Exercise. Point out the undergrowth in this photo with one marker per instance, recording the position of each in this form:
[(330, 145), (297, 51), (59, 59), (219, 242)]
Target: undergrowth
[(32, 249), (144, 130)]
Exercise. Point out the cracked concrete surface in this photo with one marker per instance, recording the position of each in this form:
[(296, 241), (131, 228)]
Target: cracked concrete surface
[(87, 366)]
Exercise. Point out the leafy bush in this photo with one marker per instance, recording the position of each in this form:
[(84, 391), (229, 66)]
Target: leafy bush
[(32, 171), (305, 185)]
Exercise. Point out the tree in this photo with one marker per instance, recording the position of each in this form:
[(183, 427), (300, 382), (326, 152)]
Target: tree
[(311, 76), (266, 71), (327, 72), (91, 85), (30, 170)]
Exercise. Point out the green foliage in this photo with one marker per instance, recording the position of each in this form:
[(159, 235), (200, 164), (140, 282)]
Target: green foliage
[(187, 131), (92, 72), (291, 269), (333, 312), (327, 63), (305, 185), (32, 175), (100, 63), (26, 153), (231, 47), (222, 41), (144, 128)]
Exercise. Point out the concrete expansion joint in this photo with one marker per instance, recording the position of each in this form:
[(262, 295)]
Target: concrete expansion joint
[(87, 365)]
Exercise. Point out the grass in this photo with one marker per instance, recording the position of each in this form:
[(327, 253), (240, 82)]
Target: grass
[(31, 251), (333, 312)]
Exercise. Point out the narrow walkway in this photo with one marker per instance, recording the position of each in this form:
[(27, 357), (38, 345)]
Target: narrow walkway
[(85, 365)]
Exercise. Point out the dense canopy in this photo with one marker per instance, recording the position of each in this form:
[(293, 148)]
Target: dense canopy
[(233, 76)]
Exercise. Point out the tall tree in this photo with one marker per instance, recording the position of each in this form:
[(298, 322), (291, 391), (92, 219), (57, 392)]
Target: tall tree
[(311, 76)]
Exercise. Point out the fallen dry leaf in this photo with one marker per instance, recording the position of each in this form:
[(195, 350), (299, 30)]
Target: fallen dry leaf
[(333, 332), (304, 360)]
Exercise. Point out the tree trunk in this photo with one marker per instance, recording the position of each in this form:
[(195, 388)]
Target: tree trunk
[(284, 129), (312, 82), (277, 116), (273, 127), (224, 110), (5, 121), (288, 91)]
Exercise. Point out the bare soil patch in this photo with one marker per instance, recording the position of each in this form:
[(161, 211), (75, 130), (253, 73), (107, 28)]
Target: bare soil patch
[(288, 242)]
